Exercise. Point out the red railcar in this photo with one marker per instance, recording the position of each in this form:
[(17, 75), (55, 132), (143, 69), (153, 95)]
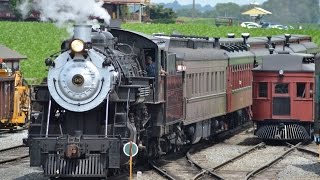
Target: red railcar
[(283, 96)]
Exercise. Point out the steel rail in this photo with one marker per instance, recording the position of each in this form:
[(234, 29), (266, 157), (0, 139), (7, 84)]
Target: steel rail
[(219, 137), (161, 171), (13, 147), (304, 150), (203, 170), (14, 159), (253, 173), (239, 156), (11, 130), (308, 151)]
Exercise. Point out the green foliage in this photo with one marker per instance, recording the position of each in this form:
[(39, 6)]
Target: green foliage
[(13, 4), (213, 31), (159, 14), (227, 10), (39, 40), (293, 11), (35, 40), (283, 11)]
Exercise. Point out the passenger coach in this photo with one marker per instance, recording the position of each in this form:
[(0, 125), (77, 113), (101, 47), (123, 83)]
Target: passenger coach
[(283, 87)]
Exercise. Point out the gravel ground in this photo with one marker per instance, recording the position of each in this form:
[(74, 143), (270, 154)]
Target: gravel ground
[(12, 139), (20, 170), (299, 166), (296, 166)]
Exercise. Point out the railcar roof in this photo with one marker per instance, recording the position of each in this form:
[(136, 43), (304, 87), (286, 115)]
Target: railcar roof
[(286, 62), (260, 52), (239, 54), (294, 36), (298, 48), (9, 54), (199, 54)]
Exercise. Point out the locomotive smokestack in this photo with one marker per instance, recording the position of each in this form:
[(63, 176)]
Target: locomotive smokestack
[(82, 32)]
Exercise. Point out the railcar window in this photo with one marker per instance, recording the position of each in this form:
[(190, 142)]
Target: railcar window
[(171, 64), (215, 81), (311, 90), (208, 82), (263, 89), (281, 88), (301, 90)]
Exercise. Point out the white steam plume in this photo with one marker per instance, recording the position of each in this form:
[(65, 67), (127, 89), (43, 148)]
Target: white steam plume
[(66, 11)]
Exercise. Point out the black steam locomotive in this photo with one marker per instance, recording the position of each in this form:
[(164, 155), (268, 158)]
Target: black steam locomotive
[(98, 96)]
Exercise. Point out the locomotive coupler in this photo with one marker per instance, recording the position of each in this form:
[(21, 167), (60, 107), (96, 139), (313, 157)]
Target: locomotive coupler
[(72, 151), (73, 147)]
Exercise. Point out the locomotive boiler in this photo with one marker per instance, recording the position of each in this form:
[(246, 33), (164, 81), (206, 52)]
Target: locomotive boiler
[(98, 96)]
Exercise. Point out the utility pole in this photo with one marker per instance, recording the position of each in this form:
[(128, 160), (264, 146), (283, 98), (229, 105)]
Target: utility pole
[(193, 10)]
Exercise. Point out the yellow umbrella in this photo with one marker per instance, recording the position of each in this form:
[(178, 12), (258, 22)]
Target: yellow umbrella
[(256, 11)]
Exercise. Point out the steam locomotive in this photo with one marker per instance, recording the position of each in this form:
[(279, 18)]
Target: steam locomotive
[(97, 97)]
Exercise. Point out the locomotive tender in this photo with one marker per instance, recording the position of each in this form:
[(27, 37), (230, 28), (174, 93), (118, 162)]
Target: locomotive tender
[(98, 97)]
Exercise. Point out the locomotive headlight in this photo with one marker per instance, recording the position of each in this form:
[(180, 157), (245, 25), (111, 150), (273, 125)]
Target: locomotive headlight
[(77, 45)]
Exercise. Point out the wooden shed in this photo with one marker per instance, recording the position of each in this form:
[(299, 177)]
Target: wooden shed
[(127, 10), (11, 58)]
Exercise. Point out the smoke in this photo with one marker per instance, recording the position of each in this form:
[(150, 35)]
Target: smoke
[(66, 11)]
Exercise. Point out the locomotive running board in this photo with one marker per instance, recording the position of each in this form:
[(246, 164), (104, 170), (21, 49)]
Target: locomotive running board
[(92, 166)]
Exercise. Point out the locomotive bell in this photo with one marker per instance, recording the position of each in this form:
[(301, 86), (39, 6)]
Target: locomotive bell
[(82, 32)]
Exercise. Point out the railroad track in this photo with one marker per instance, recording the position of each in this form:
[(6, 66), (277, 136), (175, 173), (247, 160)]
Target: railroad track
[(185, 167), (228, 169), (14, 153), (5, 131), (175, 168), (269, 164)]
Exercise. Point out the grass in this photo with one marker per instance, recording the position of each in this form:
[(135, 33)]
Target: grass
[(39, 40), (35, 40), (213, 31)]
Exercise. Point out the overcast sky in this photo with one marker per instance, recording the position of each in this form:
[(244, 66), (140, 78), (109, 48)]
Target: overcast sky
[(211, 2)]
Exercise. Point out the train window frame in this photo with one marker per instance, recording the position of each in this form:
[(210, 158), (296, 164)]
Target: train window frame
[(311, 90), (299, 87), (263, 91), (281, 88)]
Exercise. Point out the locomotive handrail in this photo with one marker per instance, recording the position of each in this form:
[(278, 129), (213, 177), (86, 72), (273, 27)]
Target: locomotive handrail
[(113, 61)]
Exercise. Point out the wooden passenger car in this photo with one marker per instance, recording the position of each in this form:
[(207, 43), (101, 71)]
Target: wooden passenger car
[(211, 91), (283, 96)]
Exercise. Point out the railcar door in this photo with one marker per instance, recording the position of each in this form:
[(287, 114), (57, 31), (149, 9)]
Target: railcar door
[(173, 90), (281, 102)]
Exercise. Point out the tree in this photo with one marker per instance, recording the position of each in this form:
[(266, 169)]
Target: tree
[(227, 10), (292, 11), (188, 13), (13, 7), (159, 14)]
